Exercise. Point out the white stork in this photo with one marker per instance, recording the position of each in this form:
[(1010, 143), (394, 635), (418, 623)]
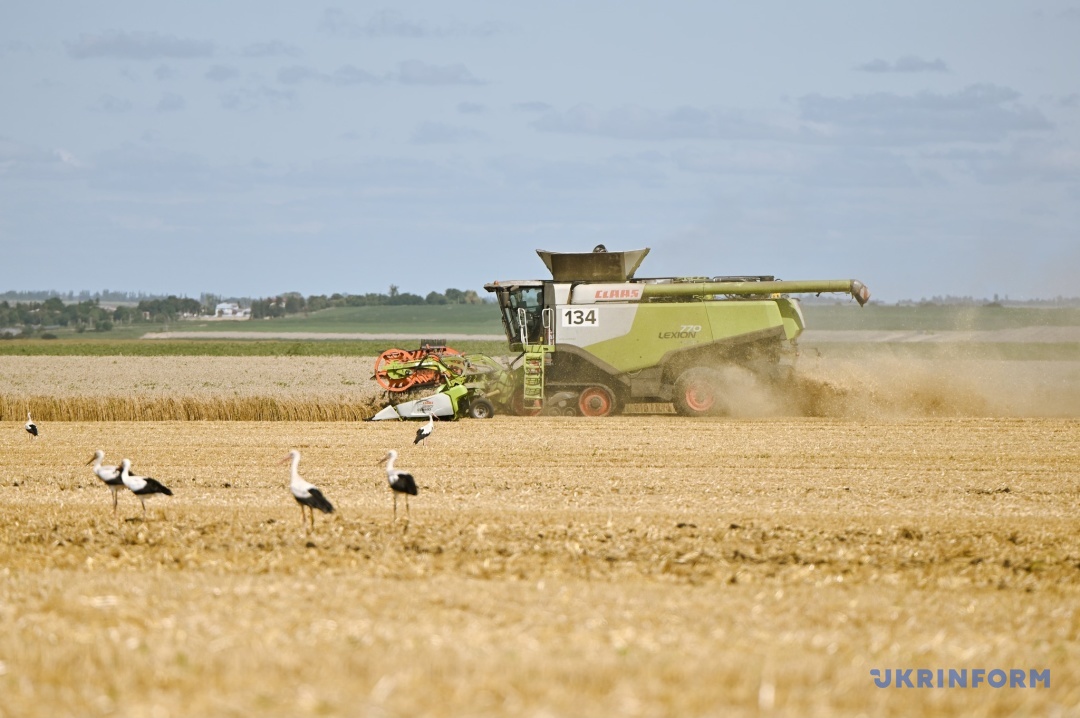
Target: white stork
[(31, 427), (306, 494), (400, 481), (108, 474), (141, 486), (425, 431)]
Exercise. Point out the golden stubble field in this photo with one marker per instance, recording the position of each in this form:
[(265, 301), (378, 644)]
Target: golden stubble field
[(641, 565), (337, 388)]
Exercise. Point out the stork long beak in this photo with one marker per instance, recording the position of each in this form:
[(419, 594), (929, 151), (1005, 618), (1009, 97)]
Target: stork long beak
[(285, 459), (382, 461), (91, 459)]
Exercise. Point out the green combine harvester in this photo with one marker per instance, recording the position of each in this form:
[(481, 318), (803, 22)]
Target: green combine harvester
[(594, 338)]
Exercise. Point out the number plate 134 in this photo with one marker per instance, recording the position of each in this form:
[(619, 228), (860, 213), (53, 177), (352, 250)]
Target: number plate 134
[(580, 317)]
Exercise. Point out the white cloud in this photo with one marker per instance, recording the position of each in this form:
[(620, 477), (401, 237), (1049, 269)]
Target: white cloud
[(171, 102), (251, 99), (1069, 101), (222, 73), (385, 23), (19, 160), (67, 158), (273, 48), (296, 74), (1040, 161), (142, 168), (533, 107), (343, 76), (415, 72), (438, 133), (392, 24), (12, 47), (111, 104), (137, 46), (640, 123), (905, 64), (977, 113), (351, 75)]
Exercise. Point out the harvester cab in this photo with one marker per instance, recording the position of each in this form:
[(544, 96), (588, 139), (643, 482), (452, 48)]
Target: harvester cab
[(524, 315)]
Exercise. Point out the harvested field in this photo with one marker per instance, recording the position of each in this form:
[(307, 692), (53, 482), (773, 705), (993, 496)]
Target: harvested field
[(250, 388), (645, 565), (170, 376), (319, 388)]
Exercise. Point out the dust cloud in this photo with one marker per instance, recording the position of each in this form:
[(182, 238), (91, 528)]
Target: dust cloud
[(892, 387)]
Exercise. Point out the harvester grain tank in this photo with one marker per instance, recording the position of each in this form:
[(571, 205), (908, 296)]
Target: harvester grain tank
[(594, 338)]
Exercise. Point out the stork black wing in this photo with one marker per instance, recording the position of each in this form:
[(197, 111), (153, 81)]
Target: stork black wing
[(153, 486), (317, 501), (404, 484)]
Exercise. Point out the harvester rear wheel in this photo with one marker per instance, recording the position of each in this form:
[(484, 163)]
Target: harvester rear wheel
[(697, 392), (596, 400)]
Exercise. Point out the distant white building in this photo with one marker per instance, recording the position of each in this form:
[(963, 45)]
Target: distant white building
[(231, 310)]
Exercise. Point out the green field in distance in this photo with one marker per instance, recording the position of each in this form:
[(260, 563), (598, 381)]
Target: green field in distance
[(933, 317), (436, 322), (422, 318)]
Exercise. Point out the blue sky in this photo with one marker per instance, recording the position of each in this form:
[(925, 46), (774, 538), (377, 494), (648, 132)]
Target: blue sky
[(251, 148)]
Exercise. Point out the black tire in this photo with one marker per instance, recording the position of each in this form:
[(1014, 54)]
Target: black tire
[(481, 409), (697, 392), (517, 405)]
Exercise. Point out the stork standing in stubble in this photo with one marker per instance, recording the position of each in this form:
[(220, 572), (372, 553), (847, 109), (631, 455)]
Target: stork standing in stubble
[(306, 494), (425, 431), (30, 426), (110, 475), (401, 482), (141, 486)]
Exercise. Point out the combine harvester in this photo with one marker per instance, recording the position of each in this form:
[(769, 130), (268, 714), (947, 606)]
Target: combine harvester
[(593, 338)]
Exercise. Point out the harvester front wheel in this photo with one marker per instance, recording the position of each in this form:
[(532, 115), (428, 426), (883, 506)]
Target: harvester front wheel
[(697, 392), (596, 401), (517, 405), (481, 409)]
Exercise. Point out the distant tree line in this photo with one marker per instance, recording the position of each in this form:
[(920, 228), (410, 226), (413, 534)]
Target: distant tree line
[(53, 312), (296, 303), (997, 301), (105, 295), (88, 314)]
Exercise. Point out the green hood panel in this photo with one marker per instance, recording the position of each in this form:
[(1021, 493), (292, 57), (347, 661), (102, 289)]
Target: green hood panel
[(659, 328)]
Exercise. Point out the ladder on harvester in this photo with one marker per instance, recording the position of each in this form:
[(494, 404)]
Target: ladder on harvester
[(535, 357)]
